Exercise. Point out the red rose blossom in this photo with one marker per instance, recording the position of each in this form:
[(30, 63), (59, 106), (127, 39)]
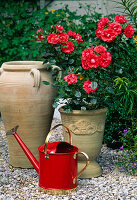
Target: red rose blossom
[(71, 78), (53, 38), (78, 38), (100, 49), (87, 87), (59, 28), (98, 33), (90, 63), (87, 53), (108, 35), (120, 19), (89, 59), (84, 64), (71, 34), (115, 26), (129, 31), (103, 22), (63, 37), (104, 59), (68, 47), (39, 35)]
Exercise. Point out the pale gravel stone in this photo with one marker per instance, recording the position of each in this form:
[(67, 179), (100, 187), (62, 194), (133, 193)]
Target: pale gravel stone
[(22, 184)]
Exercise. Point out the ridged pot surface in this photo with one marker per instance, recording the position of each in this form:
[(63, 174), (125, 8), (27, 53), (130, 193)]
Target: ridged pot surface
[(27, 102), (87, 128)]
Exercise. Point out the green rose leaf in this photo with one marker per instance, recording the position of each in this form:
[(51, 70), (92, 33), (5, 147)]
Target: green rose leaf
[(67, 110), (83, 108), (93, 101), (48, 55), (93, 85), (53, 86), (54, 105), (77, 94), (66, 58), (67, 89), (57, 48), (120, 71), (61, 94), (71, 61), (52, 61), (46, 82), (110, 90), (76, 102)]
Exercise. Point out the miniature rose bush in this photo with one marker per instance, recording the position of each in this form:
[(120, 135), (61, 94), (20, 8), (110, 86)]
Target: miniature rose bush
[(123, 63), (117, 36), (87, 70), (84, 83)]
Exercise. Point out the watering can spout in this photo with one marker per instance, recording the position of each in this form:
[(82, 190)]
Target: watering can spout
[(28, 153)]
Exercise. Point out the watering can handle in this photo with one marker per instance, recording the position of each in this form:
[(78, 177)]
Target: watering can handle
[(49, 134), (87, 163)]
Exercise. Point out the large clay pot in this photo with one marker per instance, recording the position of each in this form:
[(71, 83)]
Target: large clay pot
[(87, 128), (27, 102)]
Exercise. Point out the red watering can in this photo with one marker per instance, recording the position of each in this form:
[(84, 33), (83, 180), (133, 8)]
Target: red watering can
[(57, 166)]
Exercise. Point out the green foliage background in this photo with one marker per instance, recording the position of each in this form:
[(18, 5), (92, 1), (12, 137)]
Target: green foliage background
[(18, 25)]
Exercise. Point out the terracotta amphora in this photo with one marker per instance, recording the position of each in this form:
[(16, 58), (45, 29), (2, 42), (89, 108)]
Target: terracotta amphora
[(27, 102)]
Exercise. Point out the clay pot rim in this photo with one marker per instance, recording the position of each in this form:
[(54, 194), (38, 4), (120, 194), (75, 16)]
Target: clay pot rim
[(22, 65), (87, 112)]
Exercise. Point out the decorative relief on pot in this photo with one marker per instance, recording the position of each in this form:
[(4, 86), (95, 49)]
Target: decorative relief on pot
[(83, 128)]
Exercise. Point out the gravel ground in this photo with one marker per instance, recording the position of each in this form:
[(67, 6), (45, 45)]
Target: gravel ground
[(22, 184)]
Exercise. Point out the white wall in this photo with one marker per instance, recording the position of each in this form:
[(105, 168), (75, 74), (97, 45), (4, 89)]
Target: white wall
[(102, 6)]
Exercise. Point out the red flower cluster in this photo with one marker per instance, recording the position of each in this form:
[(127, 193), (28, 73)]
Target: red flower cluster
[(71, 34), (63, 38), (103, 22), (87, 87), (104, 59), (39, 35), (108, 35), (53, 38), (71, 78), (129, 31), (75, 36), (91, 60), (115, 26), (67, 47), (78, 38), (120, 19), (108, 31), (100, 49), (59, 28)]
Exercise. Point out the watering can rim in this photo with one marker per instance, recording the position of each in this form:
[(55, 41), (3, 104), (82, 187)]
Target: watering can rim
[(41, 149)]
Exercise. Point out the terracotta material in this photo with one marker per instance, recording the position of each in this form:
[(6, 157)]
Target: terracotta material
[(27, 102), (87, 128)]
